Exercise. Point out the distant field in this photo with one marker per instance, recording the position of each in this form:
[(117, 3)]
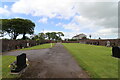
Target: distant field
[(96, 60), (39, 46), (6, 61)]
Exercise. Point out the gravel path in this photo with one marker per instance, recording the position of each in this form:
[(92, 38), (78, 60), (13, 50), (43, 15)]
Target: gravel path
[(54, 62)]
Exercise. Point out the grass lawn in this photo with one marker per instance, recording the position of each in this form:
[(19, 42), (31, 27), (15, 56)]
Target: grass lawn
[(96, 60), (43, 46), (6, 61)]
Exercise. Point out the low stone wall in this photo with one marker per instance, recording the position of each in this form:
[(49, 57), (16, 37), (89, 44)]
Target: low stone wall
[(16, 44), (7, 45), (103, 42), (113, 42)]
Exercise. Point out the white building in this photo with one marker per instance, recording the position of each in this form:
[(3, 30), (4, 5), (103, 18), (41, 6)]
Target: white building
[(80, 36)]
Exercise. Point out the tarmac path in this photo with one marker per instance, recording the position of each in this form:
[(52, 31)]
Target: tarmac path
[(54, 62)]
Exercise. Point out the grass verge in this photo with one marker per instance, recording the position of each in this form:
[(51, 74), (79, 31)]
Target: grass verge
[(96, 60), (43, 46), (6, 61)]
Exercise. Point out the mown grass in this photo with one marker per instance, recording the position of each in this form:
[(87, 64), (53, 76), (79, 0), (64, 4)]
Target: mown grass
[(6, 61), (43, 46), (96, 60)]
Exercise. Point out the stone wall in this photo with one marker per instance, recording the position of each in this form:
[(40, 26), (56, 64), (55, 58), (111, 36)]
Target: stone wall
[(102, 42), (7, 45), (16, 44)]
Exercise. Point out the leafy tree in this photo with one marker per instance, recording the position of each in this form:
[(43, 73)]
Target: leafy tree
[(1, 33), (11, 27), (27, 27), (4, 27), (90, 36), (54, 36), (99, 38), (59, 35), (48, 35), (41, 36), (34, 37), (17, 26), (84, 37), (26, 38)]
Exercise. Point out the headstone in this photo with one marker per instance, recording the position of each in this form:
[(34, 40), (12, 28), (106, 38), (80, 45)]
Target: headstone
[(21, 63), (108, 44), (113, 44), (97, 43), (28, 45), (116, 52)]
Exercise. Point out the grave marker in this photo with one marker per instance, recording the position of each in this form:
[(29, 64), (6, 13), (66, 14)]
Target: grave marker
[(108, 44), (116, 52), (20, 63)]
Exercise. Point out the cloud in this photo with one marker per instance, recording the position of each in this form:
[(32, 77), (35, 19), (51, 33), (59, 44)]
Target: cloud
[(84, 22), (52, 8), (108, 31), (43, 20), (94, 16), (71, 26), (59, 24), (98, 18), (4, 11), (104, 14), (97, 0)]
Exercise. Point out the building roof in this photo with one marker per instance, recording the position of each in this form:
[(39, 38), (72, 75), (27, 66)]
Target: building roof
[(79, 35)]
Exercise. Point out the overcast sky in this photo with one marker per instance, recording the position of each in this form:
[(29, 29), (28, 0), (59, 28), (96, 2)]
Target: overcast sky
[(96, 17)]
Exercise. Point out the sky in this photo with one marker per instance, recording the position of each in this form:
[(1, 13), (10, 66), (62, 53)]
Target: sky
[(98, 18)]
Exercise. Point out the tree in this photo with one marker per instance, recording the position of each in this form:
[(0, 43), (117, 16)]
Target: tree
[(99, 38), (4, 27), (35, 37), (54, 36), (48, 35), (84, 37), (1, 33), (90, 36), (27, 27), (59, 35), (41, 36), (11, 27), (17, 26)]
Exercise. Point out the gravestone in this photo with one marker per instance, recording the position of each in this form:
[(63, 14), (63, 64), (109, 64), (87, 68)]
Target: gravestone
[(28, 45), (116, 52), (97, 43), (21, 63), (108, 43)]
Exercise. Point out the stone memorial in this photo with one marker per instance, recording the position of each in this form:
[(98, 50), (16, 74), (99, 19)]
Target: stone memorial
[(28, 45), (108, 44), (116, 52), (20, 63)]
